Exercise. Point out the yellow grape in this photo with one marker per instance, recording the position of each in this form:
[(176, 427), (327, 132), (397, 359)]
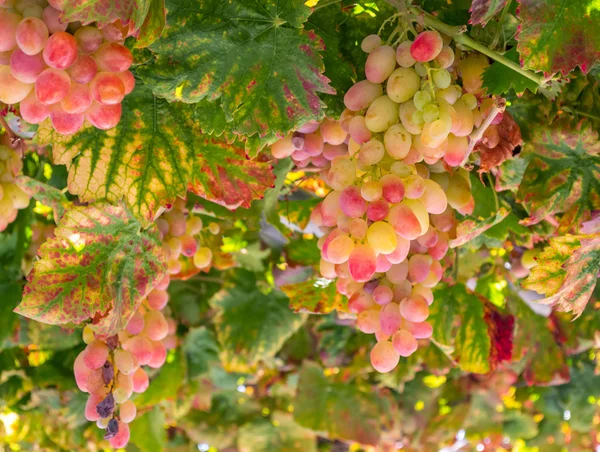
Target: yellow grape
[(381, 237), (403, 84), (382, 113)]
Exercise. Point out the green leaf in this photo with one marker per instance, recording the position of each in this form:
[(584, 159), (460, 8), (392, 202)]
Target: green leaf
[(45, 194), (563, 175), (201, 349), (483, 10), (443, 312), (281, 434), (340, 409), (251, 325), (316, 296), (11, 296), (154, 155), (510, 173), (499, 79), (254, 56), (166, 384), (567, 271), (297, 211), (148, 431), (558, 35), (468, 229), (100, 265), (153, 25)]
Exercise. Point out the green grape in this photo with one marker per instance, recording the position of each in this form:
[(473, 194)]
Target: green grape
[(470, 100), (431, 112), (417, 117), (442, 78), (421, 99)]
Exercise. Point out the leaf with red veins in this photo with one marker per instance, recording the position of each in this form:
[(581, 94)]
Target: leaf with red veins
[(471, 228), (99, 265), (498, 143), (558, 35), (483, 10), (45, 194)]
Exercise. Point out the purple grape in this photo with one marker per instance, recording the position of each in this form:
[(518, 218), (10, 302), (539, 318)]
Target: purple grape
[(108, 372), (111, 429), (107, 406), (112, 342)]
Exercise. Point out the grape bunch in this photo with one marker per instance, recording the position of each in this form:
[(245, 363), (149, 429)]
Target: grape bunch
[(66, 72), (396, 177), (12, 198), (110, 369)]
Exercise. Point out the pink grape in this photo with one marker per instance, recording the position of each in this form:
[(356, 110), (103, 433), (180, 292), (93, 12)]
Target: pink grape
[(421, 330), (128, 81), (51, 18), (140, 347), (445, 221), (26, 68), (136, 323), (327, 269), (52, 86), (125, 362), (359, 131), (439, 250), (8, 28), (309, 127), (83, 70), (371, 153), (403, 56), (404, 221), (170, 342), (88, 38), (159, 355), (401, 291), (378, 210), (424, 292), (113, 57), (380, 64), (104, 117), (414, 308), (457, 151), (157, 299), (397, 274), (332, 132), (124, 383), (419, 267), (362, 263), (371, 191), (121, 439), (400, 252), (156, 327), (360, 301), (404, 343), (140, 381), (12, 90), (82, 372), (78, 100), (95, 355), (368, 321), (382, 264), (426, 46), (66, 123), (390, 318), (393, 188), (415, 186), (31, 35), (60, 51), (330, 237), (107, 88), (352, 203), (189, 246), (91, 413), (370, 43), (313, 144), (362, 94), (95, 383), (32, 110), (445, 58), (384, 357), (428, 239), (114, 32), (330, 208), (434, 198), (330, 151), (358, 228), (383, 295), (282, 148), (339, 249), (127, 411)]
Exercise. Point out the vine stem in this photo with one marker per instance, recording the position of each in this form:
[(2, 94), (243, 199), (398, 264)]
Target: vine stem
[(493, 187), (478, 134), (458, 33)]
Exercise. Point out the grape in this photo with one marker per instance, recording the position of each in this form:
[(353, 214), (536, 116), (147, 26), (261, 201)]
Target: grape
[(390, 318), (404, 343), (136, 323), (370, 43), (125, 362), (140, 381), (8, 28), (51, 18), (431, 112), (88, 335), (352, 203), (463, 124), (445, 58), (383, 295), (422, 99), (393, 189), (156, 327), (83, 70), (458, 192), (88, 39), (82, 372), (332, 132), (406, 111), (471, 69), (358, 130), (368, 320), (127, 412), (362, 301), (358, 228), (382, 113), (362, 263), (426, 46), (400, 252), (26, 68), (428, 239), (327, 241), (414, 186), (60, 51), (140, 347), (121, 438), (381, 237), (32, 110), (414, 308), (380, 64), (95, 354), (91, 413), (403, 84), (470, 100), (31, 35), (424, 292), (403, 56), (157, 299), (418, 267), (361, 95), (339, 249), (330, 152), (442, 78), (421, 330), (384, 357), (397, 141), (104, 117), (420, 212), (397, 273), (114, 32), (457, 152), (66, 123), (52, 86), (128, 81), (371, 153), (78, 100), (123, 384), (450, 94), (11, 89), (159, 355), (106, 407), (107, 88), (341, 174), (404, 221), (378, 210), (189, 246)]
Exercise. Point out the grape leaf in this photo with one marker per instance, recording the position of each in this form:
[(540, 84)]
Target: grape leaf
[(251, 325), (254, 56), (166, 384), (340, 409), (153, 25), (558, 35), (201, 349), (563, 175), (483, 10), (148, 431), (45, 194), (155, 153), (567, 271), (499, 79), (99, 265), (468, 229), (507, 137), (280, 434), (316, 296), (510, 173)]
